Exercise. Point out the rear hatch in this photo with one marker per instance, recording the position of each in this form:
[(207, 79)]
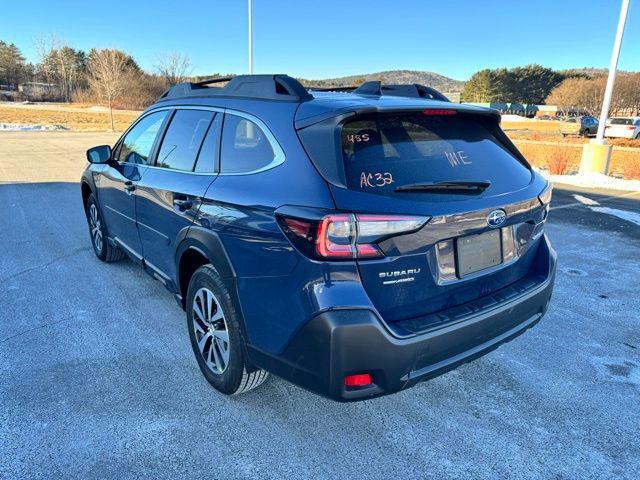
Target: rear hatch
[(455, 169)]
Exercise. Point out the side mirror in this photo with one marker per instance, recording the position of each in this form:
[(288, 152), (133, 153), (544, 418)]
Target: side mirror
[(99, 154)]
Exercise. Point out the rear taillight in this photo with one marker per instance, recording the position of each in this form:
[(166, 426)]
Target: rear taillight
[(545, 199), (347, 236), (545, 196), (336, 236), (631, 128)]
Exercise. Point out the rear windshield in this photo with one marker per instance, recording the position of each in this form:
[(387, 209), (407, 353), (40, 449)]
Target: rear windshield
[(383, 152), (621, 121)]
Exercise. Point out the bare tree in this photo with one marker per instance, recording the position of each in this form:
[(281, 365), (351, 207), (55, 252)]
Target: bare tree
[(61, 65), (564, 96), (44, 46), (626, 95), (175, 67), (107, 69), (580, 93), (587, 94)]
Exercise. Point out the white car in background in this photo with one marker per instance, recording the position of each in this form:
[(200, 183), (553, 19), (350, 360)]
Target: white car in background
[(623, 127)]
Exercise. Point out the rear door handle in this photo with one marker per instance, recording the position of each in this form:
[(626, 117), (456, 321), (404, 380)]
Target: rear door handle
[(182, 204), (129, 186)]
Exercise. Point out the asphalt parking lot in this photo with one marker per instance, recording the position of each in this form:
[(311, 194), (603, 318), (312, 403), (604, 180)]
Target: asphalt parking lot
[(97, 378)]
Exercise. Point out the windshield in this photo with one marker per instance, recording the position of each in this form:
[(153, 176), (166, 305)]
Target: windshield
[(383, 152)]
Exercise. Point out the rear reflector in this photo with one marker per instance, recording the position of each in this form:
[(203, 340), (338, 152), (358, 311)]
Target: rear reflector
[(439, 111), (360, 380)]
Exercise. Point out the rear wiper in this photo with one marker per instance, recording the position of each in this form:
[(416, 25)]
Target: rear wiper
[(457, 186)]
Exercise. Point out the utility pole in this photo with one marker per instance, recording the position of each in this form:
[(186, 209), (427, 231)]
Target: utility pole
[(250, 38), (597, 153)]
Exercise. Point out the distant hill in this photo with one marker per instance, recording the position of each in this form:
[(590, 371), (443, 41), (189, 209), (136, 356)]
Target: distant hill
[(430, 79)]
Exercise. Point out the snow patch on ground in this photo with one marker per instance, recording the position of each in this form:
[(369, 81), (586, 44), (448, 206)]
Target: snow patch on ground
[(514, 118), (585, 200), (20, 127), (594, 180), (594, 206), (632, 217)]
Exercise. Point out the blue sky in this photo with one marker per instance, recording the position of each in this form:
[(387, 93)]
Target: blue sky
[(320, 39)]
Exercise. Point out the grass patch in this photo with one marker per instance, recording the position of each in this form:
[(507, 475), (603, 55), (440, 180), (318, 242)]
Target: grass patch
[(561, 159)]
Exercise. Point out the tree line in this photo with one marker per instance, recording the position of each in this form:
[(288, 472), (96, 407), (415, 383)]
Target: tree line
[(587, 94), (113, 78), (568, 89), (107, 76)]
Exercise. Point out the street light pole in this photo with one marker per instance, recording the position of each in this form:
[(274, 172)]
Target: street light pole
[(606, 103), (251, 38), (596, 155)]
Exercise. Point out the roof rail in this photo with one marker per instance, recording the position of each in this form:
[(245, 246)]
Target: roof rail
[(332, 89), (285, 88), (375, 87), (266, 87)]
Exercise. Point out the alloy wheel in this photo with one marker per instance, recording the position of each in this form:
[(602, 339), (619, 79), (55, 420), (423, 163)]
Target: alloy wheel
[(210, 330), (96, 227)]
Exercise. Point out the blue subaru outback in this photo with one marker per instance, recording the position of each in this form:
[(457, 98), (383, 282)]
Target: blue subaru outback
[(354, 242)]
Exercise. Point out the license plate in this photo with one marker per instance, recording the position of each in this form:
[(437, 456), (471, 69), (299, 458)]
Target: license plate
[(477, 252)]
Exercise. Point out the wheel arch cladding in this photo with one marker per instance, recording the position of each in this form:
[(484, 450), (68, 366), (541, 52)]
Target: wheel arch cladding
[(86, 191), (196, 247)]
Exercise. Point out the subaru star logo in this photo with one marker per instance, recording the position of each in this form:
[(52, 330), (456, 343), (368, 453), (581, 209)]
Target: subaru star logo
[(496, 218)]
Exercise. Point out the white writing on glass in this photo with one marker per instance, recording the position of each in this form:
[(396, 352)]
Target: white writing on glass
[(358, 138), (375, 179), (457, 158)]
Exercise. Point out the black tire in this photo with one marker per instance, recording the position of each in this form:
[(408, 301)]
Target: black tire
[(234, 375), (638, 136), (585, 133), (98, 234)]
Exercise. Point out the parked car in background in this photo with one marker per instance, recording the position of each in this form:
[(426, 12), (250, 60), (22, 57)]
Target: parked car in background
[(623, 127), (583, 126)]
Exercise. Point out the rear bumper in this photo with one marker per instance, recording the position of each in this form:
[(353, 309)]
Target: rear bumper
[(337, 343)]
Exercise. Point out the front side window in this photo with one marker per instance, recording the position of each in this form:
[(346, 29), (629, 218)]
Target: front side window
[(245, 147), (183, 139), (138, 142)]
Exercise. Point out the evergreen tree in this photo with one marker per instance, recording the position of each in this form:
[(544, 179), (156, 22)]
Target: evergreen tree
[(12, 65)]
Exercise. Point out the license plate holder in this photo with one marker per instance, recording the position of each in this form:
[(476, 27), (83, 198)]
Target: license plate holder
[(478, 252)]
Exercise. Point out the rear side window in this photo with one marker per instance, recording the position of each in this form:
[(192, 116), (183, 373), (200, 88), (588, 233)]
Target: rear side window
[(138, 142), (208, 156), (383, 152), (245, 147), (183, 139)]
